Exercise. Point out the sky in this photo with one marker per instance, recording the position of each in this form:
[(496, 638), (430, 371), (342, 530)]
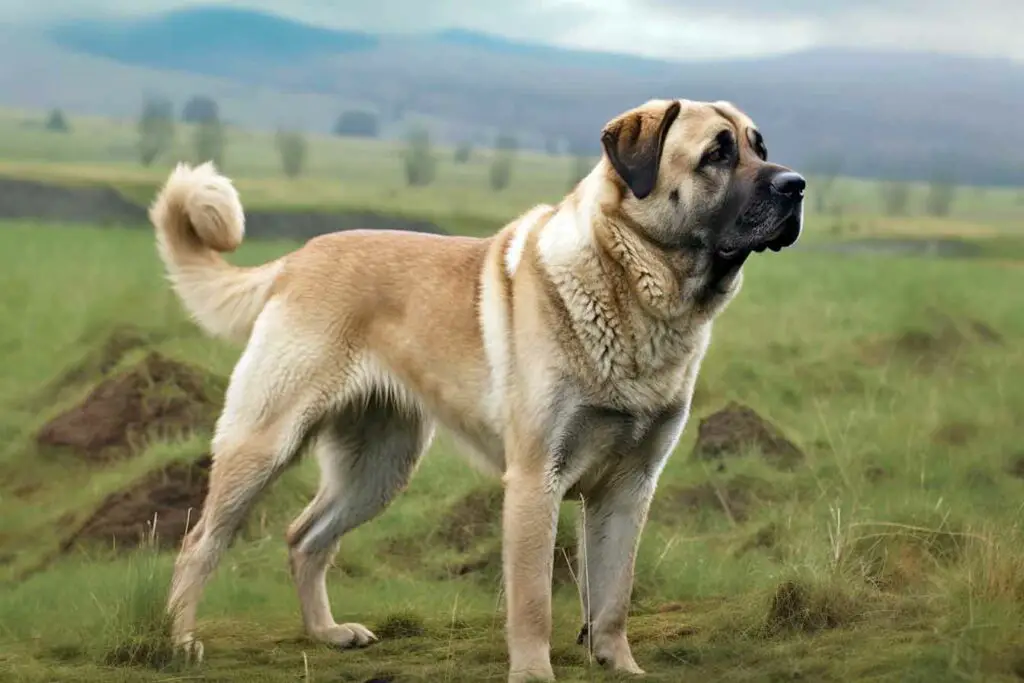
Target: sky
[(667, 29)]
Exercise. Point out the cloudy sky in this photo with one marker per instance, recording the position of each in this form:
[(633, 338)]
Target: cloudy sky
[(671, 29)]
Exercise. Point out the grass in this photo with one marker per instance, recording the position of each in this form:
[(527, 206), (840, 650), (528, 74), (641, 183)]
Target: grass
[(894, 550)]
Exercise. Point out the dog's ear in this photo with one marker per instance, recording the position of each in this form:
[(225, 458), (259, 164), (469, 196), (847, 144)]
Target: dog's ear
[(634, 141)]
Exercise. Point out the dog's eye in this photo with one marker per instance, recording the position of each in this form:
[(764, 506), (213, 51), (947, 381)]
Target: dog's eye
[(720, 152), (715, 156), (761, 150), (757, 144)]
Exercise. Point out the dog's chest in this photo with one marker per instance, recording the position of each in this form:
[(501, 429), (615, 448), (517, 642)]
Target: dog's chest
[(639, 362), (616, 344), (579, 433)]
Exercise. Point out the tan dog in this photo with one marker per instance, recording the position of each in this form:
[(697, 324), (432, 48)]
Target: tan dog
[(563, 350)]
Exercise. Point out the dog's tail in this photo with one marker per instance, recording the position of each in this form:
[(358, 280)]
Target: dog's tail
[(198, 216)]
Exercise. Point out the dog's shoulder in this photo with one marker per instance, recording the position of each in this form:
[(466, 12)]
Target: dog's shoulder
[(513, 239)]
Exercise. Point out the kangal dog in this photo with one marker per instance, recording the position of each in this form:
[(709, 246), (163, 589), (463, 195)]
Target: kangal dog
[(562, 350)]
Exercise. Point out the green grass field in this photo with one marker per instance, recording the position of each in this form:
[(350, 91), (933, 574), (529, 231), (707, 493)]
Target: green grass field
[(898, 540), (892, 550)]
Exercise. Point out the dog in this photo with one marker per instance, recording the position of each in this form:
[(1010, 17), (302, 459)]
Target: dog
[(562, 350)]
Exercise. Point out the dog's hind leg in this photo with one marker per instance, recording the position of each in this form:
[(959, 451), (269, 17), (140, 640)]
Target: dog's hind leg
[(277, 395), (367, 454)]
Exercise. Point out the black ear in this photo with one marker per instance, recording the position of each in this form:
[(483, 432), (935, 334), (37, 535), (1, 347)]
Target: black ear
[(634, 142)]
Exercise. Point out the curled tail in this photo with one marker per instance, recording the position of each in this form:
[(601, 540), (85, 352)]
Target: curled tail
[(198, 216)]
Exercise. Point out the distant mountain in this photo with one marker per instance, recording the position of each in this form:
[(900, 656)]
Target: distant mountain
[(207, 39), (895, 114)]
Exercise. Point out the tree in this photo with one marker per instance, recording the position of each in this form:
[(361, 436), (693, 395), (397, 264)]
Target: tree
[(357, 124), (823, 169), (420, 162), (895, 197), (501, 166), (506, 142), (291, 145), (57, 122), (200, 109), (581, 166), (941, 192), (501, 170), (209, 142), (463, 152), (156, 129)]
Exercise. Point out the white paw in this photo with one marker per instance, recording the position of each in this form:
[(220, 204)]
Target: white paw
[(192, 649), (535, 676), (346, 635)]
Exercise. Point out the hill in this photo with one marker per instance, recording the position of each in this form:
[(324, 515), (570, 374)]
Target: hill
[(898, 115)]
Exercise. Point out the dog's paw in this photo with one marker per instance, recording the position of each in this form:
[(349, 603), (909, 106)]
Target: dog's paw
[(191, 650), (536, 676), (345, 636)]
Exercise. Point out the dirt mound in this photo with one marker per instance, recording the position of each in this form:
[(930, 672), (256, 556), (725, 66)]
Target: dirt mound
[(171, 498), (157, 399), (943, 340), (98, 362), (1016, 466), (735, 428), (734, 498), (474, 522), (795, 607), (475, 517), (903, 555), (955, 433)]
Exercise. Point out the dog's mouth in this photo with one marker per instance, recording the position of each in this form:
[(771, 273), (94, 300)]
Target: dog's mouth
[(784, 234)]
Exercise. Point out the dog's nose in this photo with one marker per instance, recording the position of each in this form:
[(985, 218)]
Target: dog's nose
[(789, 183)]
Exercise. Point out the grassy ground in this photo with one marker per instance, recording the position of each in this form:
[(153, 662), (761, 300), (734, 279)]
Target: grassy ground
[(893, 551)]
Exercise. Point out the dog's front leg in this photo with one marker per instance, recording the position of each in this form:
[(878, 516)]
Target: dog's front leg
[(614, 515), (529, 520), (611, 524)]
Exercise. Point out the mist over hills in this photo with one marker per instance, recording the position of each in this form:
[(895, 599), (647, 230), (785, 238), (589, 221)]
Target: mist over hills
[(894, 115)]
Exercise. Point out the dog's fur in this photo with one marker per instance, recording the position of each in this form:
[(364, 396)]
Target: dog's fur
[(563, 350)]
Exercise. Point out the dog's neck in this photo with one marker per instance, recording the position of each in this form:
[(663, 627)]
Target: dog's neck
[(670, 281)]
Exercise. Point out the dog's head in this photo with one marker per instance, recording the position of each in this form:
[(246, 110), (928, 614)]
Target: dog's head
[(695, 175)]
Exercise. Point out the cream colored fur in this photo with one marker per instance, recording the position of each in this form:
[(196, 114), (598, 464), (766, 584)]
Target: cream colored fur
[(198, 216), (563, 352)]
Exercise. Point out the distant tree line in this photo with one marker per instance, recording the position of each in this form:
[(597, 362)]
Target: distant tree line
[(157, 125)]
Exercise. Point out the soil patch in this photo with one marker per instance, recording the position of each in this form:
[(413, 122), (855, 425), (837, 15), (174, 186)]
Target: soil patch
[(161, 506), (97, 363), (734, 498), (875, 474), (795, 607), (475, 521), (736, 428), (898, 557), (401, 625), (1016, 466), (931, 347), (157, 399), (100, 205), (955, 433), (475, 517)]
